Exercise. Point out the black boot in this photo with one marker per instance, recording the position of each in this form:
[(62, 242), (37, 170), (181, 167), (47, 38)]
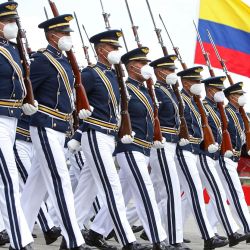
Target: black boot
[(186, 240), (138, 246), (214, 242), (4, 238), (236, 238), (28, 247), (221, 237), (180, 246), (95, 239), (144, 236), (129, 246), (82, 247), (158, 246), (111, 235), (63, 245), (52, 235), (137, 229)]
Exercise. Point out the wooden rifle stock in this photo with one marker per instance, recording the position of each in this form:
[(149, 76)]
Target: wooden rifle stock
[(125, 127), (21, 40), (157, 126), (208, 138), (81, 96)]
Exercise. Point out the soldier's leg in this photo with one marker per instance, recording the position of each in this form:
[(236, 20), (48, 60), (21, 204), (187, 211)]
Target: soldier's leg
[(164, 166), (211, 181), (98, 150), (191, 183), (10, 206), (227, 170), (48, 145)]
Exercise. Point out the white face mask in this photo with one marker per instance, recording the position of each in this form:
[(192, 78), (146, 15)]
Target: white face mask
[(242, 100), (65, 43), (219, 96), (10, 31), (114, 57), (146, 72), (196, 89), (171, 79)]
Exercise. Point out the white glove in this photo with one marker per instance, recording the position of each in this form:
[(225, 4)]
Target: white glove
[(213, 148), (159, 144), (183, 142), (248, 152), (127, 139), (228, 154), (74, 146), (85, 113), (29, 109)]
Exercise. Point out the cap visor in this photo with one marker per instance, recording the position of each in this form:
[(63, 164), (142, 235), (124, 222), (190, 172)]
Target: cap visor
[(63, 29)]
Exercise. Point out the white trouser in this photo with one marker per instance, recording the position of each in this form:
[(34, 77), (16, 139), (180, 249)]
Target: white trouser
[(24, 153), (49, 173), (13, 216), (227, 170), (191, 182), (99, 175), (135, 179), (167, 186), (2, 226), (211, 181)]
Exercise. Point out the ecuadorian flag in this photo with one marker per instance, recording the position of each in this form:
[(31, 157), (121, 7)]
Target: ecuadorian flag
[(229, 24)]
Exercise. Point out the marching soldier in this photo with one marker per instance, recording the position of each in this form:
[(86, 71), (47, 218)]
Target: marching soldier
[(188, 157), (12, 93), (99, 175), (52, 81), (227, 167), (162, 160), (208, 161), (133, 158)]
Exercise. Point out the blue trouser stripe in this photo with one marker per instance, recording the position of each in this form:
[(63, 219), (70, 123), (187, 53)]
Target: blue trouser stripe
[(194, 194), (169, 189), (217, 195), (10, 202), (145, 196), (234, 195), (57, 182), (106, 186)]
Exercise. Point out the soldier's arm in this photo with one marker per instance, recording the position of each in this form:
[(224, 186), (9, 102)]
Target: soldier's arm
[(88, 79)]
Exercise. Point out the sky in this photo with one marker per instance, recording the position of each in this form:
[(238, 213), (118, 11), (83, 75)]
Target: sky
[(178, 16)]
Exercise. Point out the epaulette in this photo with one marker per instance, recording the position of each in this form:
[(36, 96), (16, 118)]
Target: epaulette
[(42, 50)]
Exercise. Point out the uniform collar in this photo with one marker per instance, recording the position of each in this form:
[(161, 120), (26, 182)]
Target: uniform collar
[(4, 41), (163, 84), (135, 82), (103, 66), (53, 50), (210, 102), (230, 105)]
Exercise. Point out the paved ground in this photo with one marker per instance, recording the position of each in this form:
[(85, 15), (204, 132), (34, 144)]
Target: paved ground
[(191, 232)]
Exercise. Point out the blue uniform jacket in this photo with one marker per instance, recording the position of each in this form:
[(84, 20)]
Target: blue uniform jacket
[(214, 120), (99, 98), (193, 119), (23, 128), (168, 112), (236, 130), (140, 120), (49, 89), (10, 86)]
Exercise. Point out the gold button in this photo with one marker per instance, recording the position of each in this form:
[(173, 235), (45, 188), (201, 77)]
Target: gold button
[(54, 125), (14, 95), (58, 93), (57, 110), (11, 111), (13, 78)]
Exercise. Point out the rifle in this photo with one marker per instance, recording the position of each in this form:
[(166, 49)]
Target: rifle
[(226, 145), (23, 52), (184, 134), (241, 109), (150, 85), (125, 127), (81, 97), (85, 48), (105, 17), (91, 46), (207, 131)]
